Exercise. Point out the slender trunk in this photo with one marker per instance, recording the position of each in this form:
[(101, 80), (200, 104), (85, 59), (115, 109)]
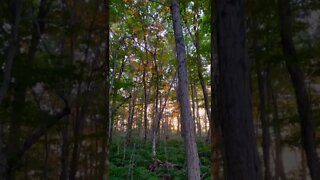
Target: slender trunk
[(77, 142), (145, 93), (241, 155), (197, 119), (21, 89), (15, 131), (158, 117), (65, 151), (46, 148), (193, 162), (279, 168), (199, 64), (262, 83), (202, 83), (156, 120), (12, 52), (130, 120), (193, 104), (298, 81)]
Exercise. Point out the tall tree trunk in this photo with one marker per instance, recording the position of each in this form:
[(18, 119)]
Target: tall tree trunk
[(197, 118), (21, 88), (65, 151), (241, 156), (156, 117), (130, 120), (16, 5), (262, 84), (78, 126), (104, 163), (279, 169), (214, 122), (15, 131), (304, 174), (145, 93), (183, 89), (298, 81), (196, 43), (193, 103)]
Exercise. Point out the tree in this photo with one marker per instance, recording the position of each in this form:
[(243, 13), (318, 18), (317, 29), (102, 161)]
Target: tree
[(183, 93), (300, 90), (234, 103)]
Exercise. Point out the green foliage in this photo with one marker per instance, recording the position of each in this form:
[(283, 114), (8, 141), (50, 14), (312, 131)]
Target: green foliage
[(134, 160)]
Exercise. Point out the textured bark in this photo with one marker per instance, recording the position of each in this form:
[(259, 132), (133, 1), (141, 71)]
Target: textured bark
[(193, 168), (301, 94), (304, 174), (78, 126), (104, 162), (241, 156)]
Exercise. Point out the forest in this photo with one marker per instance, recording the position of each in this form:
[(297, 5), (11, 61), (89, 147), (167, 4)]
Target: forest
[(160, 89)]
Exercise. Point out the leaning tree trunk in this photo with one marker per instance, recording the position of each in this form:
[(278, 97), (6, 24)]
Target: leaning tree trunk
[(298, 81), (241, 156), (185, 109)]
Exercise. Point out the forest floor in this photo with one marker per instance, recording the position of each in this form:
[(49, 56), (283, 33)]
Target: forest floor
[(136, 162)]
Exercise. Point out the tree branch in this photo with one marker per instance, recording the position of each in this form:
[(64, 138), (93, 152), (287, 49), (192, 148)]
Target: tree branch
[(32, 138)]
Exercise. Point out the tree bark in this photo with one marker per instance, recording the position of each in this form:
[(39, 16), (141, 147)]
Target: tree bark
[(193, 163), (21, 88), (12, 51), (195, 105), (262, 84), (130, 120), (15, 130), (214, 122), (65, 151), (301, 94), (241, 156), (78, 126), (145, 93), (196, 43), (156, 117), (279, 169), (104, 163)]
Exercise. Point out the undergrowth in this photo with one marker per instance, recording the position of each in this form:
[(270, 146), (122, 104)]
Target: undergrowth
[(133, 162)]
